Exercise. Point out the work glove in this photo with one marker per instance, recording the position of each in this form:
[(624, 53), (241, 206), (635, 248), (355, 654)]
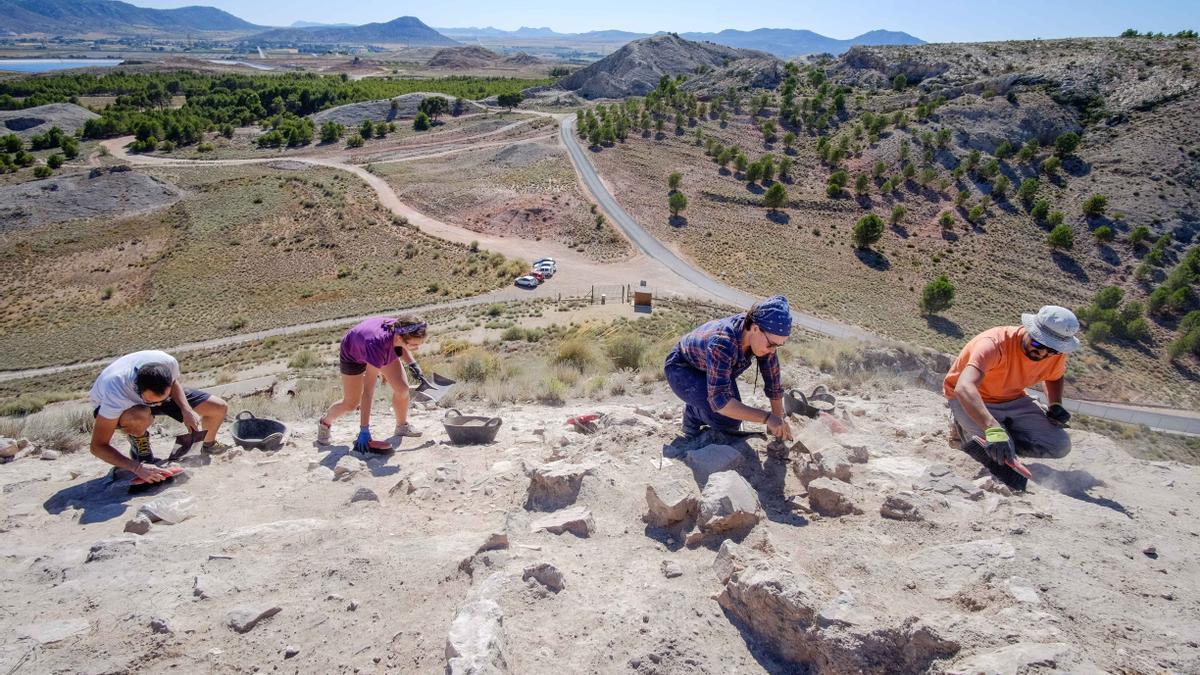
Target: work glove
[(363, 442), (415, 370), (998, 446), (1058, 415)]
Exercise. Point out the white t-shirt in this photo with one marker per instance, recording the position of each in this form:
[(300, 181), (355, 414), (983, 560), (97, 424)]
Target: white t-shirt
[(115, 391)]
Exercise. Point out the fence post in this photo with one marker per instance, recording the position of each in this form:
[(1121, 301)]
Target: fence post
[(593, 301)]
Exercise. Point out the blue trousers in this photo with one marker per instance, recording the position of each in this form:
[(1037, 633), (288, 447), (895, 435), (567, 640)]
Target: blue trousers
[(691, 385)]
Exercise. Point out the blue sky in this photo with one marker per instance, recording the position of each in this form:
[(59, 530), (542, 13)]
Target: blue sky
[(935, 21)]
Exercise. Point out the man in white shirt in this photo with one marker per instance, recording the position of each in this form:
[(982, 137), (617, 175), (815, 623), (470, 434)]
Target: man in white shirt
[(130, 392)]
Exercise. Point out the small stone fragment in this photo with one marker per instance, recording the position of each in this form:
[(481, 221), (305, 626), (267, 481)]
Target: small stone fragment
[(546, 575), (138, 524), (576, 520), (832, 498), (900, 507), (244, 619), (364, 494), (671, 569)]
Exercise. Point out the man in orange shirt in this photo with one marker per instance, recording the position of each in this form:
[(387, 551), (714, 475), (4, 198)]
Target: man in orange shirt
[(986, 386)]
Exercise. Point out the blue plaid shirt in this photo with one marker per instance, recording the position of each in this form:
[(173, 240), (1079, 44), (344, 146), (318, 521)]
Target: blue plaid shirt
[(715, 349)]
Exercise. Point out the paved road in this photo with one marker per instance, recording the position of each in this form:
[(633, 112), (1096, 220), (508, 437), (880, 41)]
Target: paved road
[(655, 248)]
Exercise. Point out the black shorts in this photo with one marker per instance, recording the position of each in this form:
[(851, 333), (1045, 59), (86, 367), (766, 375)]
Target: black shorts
[(348, 367), (169, 408)]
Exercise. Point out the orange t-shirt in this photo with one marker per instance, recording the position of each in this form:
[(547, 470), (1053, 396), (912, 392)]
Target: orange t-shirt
[(1007, 372)]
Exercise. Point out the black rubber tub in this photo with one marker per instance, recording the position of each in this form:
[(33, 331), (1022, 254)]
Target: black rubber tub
[(470, 429), (257, 433)]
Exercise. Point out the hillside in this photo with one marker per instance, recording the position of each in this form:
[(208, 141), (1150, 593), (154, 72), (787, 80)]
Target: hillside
[(940, 158), (636, 68), (871, 548), (76, 17), (787, 43), (477, 58), (405, 29)]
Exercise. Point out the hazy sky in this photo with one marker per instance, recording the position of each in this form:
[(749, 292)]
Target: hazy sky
[(935, 20)]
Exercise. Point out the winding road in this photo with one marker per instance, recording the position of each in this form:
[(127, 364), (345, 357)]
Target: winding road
[(653, 261)]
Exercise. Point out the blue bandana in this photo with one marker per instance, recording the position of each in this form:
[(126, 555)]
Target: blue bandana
[(774, 316)]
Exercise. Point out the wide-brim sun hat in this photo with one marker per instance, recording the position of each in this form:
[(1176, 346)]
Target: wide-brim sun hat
[(1054, 327)]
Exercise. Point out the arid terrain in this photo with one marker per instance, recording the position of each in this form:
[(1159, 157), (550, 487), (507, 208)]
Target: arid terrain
[(1130, 99), (873, 547)]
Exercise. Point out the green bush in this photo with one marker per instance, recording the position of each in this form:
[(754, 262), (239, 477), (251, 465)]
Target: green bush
[(1110, 297), (578, 353), (1066, 143), (627, 351), (1099, 331), (421, 122), (937, 296), (1095, 205), (946, 220), (1104, 233), (1061, 237), (475, 365), (867, 230)]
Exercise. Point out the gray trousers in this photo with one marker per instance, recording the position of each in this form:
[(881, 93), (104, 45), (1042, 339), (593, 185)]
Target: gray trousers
[(1032, 432)]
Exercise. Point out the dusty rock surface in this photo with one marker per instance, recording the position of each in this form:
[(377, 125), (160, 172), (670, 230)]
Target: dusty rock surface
[(457, 573), (406, 107), (40, 119), (100, 192)]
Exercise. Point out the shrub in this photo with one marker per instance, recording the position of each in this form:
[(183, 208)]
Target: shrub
[(1000, 187), (1094, 206), (355, 141), (898, 212), (1104, 233), (976, 213), (1028, 189), (1061, 237), (937, 296), (675, 180), (627, 351), (899, 82), (1110, 297), (946, 220), (677, 202), (475, 365), (1050, 165), (42, 171), (1055, 218), (421, 122), (305, 358), (776, 196), (55, 161), (1041, 209), (1066, 143), (1099, 331), (867, 230), (578, 353)]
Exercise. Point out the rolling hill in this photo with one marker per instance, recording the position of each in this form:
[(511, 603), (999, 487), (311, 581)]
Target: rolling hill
[(75, 17), (405, 29)]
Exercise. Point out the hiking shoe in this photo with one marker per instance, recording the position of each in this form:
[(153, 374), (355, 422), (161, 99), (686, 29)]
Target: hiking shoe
[(406, 429), (324, 433), (139, 448), (215, 448)]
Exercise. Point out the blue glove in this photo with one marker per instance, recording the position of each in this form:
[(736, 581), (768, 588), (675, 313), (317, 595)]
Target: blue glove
[(362, 443)]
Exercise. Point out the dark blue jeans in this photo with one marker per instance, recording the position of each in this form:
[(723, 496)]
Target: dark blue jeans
[(691, 385)]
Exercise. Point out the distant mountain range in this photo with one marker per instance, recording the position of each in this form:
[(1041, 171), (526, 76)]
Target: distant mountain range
[(76, 17), (315, 24), (404, 30), (782, 42)]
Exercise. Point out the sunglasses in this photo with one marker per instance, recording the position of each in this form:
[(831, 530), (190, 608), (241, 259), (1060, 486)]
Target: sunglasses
[(773, 345), (1037, 345)]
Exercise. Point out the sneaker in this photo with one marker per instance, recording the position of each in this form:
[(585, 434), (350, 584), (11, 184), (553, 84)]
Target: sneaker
[(324, 433), (406, 429), (139, 448), (215, 448)]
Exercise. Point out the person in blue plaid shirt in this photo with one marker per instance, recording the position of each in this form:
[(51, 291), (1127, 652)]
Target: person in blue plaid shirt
[(703, 369)]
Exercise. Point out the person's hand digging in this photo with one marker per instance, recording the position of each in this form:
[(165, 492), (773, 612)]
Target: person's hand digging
[(150, 473), (779, 427), (414, 369), (998, 446), (1058, 415)]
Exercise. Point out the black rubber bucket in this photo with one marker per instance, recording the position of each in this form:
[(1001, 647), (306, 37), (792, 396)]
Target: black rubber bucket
[(257, 433), (470, 429)]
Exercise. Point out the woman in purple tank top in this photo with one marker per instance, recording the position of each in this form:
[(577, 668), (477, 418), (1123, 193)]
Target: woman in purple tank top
[(376, 347)]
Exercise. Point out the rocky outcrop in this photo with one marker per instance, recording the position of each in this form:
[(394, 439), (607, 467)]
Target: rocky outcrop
[(791, 618)]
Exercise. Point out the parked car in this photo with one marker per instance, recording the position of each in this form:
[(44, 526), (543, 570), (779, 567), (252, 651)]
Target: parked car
[(545, 270), (527, 282), (541, 261), (541, 278)]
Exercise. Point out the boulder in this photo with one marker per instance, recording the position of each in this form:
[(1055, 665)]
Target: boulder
[(712, 459), (834, 462), (670, 502), (9, 447), (364, 494), (832, 498), (475, 645), (779, 608), (496, 541), (576, 520), (1013, 659), (160, 626), (671, 569), (900, 507), (555, 485), (347, 467), (244, 619), (546, 575), (728, 504), (139, 524), (49, 455)]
